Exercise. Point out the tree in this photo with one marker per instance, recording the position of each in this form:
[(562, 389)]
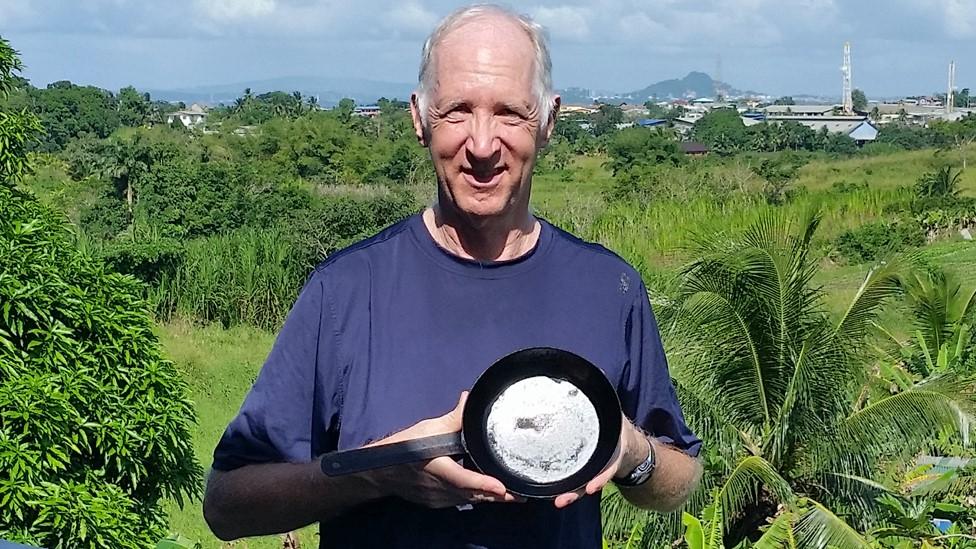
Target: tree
[(344, 110), (773, 384), (133, 107), (723, 130), (859, 100), (94, 423), (961, 99), (605, 120), (777, 173), (126, 160), (18, 130), (654, 110), (637, 147)]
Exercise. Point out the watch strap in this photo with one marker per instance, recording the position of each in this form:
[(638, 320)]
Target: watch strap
[(642, 472)]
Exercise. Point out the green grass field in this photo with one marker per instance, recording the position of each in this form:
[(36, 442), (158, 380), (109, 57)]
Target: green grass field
[(220, 365)]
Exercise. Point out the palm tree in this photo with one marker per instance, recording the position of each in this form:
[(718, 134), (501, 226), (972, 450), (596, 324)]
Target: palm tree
[(773, 385), (942, 183), (942, 314), (125, 160)]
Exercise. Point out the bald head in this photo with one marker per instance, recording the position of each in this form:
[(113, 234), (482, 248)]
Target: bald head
[(488, 35)]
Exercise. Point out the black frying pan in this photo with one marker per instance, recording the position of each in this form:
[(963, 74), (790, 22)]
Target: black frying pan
[(473, 441)]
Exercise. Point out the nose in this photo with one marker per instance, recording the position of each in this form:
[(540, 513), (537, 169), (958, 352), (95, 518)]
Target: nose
[(483, 142)]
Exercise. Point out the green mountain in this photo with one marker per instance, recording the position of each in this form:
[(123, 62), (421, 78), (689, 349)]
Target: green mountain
[(692, 86)]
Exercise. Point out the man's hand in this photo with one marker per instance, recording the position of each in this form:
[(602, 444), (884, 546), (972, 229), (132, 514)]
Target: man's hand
[(440, 482), (626, 457)]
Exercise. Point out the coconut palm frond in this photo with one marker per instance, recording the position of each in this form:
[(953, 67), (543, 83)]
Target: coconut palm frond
[(819, 528), (881, 283), (743, 486), (740, 377), (705, 416), (869, 483), (779, 534), (898, 425)]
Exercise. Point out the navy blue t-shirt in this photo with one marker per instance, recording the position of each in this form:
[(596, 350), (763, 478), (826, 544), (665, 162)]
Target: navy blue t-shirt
[(390, 331)]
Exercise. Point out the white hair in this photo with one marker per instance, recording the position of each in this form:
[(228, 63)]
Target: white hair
[(542, 73)]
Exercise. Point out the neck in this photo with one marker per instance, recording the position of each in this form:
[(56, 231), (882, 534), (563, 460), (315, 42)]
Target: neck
[(494, 239)]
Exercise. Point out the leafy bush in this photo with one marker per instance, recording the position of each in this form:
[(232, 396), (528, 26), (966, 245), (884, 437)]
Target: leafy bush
[(942, 183), (252, 275), (94, 423), (875, 240), (939, 216), (148, 259)]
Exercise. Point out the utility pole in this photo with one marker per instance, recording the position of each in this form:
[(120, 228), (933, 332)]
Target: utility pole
[(846, 71)]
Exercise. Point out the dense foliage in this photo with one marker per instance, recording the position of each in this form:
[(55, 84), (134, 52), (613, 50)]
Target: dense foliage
[(780, 390), (94, 423)]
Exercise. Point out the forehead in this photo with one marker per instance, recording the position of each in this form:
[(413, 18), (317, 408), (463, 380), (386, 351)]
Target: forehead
[(486, 53)]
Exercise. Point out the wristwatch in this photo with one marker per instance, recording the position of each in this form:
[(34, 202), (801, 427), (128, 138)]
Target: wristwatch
[(642, 472)]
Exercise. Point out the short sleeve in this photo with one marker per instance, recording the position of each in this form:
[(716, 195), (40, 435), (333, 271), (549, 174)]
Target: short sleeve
[(646, 392), (275, 422)]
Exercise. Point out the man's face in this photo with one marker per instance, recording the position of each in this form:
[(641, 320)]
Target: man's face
[(483, 118)]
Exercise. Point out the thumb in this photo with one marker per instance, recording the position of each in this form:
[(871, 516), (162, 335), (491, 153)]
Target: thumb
[(453, 418)]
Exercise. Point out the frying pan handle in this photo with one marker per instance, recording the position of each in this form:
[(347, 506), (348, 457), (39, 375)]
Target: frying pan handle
[(346, 462)]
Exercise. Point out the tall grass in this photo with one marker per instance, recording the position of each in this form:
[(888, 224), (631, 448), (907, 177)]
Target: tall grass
[(656, 235), (250, 276)]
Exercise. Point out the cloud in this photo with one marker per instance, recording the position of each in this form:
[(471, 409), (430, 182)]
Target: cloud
[(960, 18), (235, 10), (13, 11), (567, 22), (410, 18)]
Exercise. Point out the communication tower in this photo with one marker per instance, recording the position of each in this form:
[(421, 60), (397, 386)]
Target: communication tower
[(846, 71), (950, 98)]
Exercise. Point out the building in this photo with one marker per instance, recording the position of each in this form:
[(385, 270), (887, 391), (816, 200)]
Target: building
[(369, 111), (775, 111), (191, 117), (693, 148), (858, 128), (651, 122), (569, 110)]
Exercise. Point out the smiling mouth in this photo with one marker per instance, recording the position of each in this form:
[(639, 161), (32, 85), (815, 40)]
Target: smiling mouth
[(483, 177)]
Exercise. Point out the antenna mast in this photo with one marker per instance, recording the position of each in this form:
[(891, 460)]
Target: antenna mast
[(846, 71), (950, 100)]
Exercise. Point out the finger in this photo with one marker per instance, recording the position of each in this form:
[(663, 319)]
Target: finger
[(600, 480), (449, 471), (567, 499), (489, 497)]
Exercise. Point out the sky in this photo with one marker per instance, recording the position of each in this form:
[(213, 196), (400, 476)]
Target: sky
[(779, 47)]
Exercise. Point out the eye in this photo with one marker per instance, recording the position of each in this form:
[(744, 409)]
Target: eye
[(512, 116), (457, 112)]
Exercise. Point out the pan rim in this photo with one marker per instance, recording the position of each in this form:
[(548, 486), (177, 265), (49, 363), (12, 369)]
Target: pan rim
[(550, 362)]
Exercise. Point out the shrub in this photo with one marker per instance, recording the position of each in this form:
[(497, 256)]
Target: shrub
[(94, 423), (148, 260), (942, 183), (875, 240)]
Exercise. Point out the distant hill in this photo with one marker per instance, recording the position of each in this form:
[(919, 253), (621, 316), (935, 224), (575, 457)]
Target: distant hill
[(328, 90), (692, 86)]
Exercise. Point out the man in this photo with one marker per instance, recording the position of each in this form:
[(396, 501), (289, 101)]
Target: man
[(387, 334)]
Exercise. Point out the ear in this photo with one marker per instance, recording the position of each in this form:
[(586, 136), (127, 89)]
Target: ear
[(418, 123), (553, 116)]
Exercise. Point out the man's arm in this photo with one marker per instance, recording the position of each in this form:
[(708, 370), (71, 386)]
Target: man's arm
[(675, 476), (271, 498)]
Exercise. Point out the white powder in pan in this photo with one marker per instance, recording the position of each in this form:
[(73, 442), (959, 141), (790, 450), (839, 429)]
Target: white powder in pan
[(543, 429)]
